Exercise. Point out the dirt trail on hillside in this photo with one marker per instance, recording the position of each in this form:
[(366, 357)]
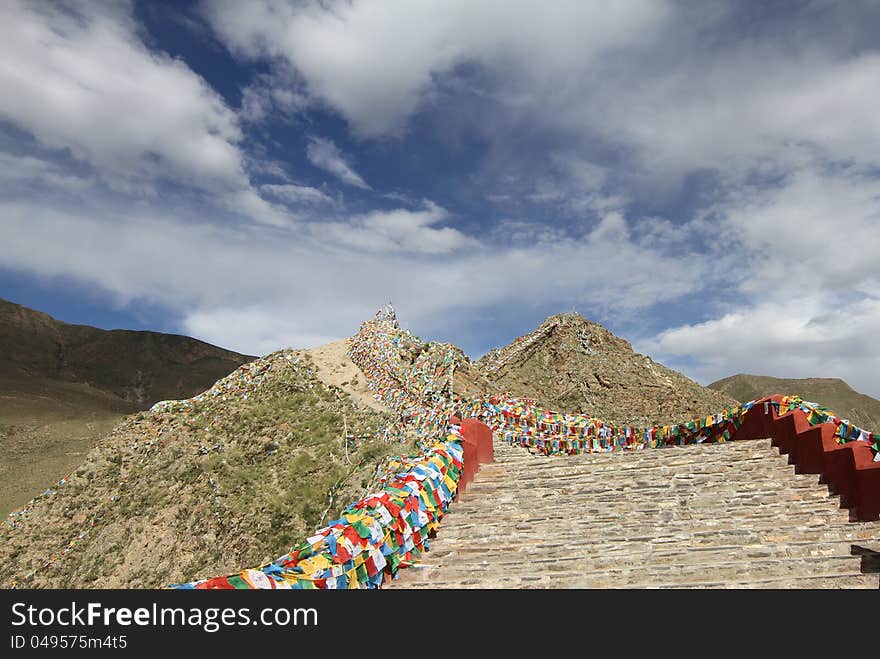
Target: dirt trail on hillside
[(335, 367)]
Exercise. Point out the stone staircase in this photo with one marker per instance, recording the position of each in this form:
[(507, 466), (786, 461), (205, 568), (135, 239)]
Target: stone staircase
[(731, 515)]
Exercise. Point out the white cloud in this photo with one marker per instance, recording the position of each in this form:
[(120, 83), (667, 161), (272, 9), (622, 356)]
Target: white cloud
[(736, 110), (569, 183), (256, 330), (649, 88), (375, 63), (667, 90), (802, 335), (270, 96), (24, 172), (249, 203), (818, 229), (799, 286), (397, 230), (85, 82), (297, 194), (80, 80), (324, 154)]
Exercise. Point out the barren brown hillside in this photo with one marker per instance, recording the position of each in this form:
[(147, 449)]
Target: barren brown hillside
[(572, 364)]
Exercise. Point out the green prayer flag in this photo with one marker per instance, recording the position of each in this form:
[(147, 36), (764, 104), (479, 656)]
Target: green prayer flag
[(238, 583), (361, 529)]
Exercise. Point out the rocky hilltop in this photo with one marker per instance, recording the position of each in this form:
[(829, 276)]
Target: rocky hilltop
[(832, 393), (575, 365)]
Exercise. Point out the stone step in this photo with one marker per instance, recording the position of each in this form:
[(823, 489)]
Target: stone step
[(621, 552), (611, 510), (652, 477), (620, 515), (629, 463), (746, 473), (573, 548), (647, 528), (640, 479), (586, 570), (705, 454), (814, 581), (859, 581), (599, 484)]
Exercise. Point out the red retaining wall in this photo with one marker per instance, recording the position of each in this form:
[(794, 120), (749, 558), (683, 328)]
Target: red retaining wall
[(481, 435), (478, 448)]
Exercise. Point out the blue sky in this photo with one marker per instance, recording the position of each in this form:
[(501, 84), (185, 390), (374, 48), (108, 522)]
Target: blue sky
[(702, 179)]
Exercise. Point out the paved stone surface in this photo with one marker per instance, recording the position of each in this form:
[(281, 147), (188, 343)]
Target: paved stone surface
[(731, 515)]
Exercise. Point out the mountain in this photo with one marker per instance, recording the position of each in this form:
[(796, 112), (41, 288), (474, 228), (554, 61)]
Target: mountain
[(831, 393), (200, 487), (575, 365), (139, 367), (63, 386)]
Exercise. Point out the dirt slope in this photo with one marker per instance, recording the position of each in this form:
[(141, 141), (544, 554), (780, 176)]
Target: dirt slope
[(334, 367)]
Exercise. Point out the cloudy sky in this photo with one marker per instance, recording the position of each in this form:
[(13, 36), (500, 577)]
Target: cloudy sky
[(701, 178)]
